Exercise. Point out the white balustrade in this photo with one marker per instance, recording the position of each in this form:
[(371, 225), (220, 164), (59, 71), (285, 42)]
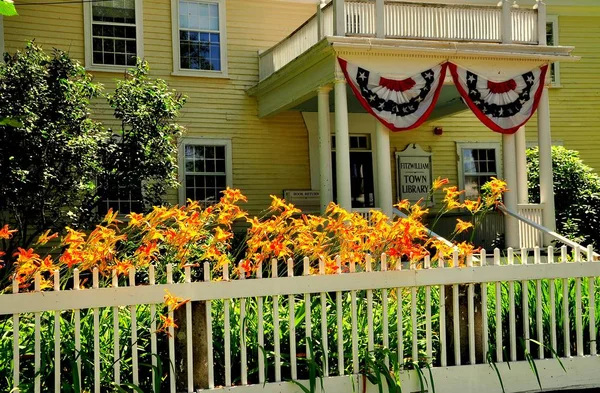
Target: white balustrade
[(531, 237), (406, 20)]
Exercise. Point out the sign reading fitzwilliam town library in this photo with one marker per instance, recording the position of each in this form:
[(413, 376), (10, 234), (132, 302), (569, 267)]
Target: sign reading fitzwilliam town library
[(414, 174)]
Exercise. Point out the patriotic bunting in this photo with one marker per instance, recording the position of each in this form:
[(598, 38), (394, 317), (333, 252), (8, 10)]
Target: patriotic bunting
[(399, 104), (502, 106)]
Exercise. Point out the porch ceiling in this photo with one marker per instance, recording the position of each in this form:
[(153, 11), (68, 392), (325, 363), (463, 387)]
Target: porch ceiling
[(449, 103)]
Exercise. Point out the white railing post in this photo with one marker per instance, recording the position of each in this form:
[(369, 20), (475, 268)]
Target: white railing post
[(541, 21), (320, 20), (380, 18), (506, 25), (339, 18)]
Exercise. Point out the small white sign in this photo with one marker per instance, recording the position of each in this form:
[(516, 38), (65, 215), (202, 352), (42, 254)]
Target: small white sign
[(414, 174)]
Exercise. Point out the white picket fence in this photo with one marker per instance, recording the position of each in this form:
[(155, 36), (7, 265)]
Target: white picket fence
[(257, 326)]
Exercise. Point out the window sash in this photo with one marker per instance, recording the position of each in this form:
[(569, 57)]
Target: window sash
[(198, 65), (95, 57)]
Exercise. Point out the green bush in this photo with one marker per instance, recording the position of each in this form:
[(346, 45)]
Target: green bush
[(576, 194)]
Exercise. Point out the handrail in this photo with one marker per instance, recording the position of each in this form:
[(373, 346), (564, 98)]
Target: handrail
[(547, 231)]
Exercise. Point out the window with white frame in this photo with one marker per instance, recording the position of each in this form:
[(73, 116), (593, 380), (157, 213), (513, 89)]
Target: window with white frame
[(478, 163), (552, 40), (206, 169), (199, 42), (113, 33)]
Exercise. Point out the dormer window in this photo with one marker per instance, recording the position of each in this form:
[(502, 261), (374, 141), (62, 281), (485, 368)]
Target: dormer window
[(113, 34)]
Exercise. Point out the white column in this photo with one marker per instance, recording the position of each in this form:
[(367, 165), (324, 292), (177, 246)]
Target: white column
[(384, 169), (324, 148), (506, 24), (511, 225), (521, 155), (546, 174), (342, 145)]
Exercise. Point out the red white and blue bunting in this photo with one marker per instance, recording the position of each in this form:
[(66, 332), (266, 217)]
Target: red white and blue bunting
[(399, 104), (502, 106), (405, 104)]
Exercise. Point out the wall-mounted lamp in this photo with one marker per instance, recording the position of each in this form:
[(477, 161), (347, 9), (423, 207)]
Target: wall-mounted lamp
[(438, 131)]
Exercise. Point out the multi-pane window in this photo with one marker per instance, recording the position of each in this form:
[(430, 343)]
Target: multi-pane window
[(552, 40), (122, 199), (200, 38), (205, 175), (114, 32), (478, 166)]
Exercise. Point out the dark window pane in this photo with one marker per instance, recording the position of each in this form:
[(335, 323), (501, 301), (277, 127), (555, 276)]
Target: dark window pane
[(183, 35), (120, 59), (200, 181), (98, 59), (210, 165), (97, 30), (210, 181), (220, 166), (97, 44), (189, 194), (189, 181), (131, 60), (120, 46), (199, 167), (108, 45), (130, 47), (220, 152), (221, 182), (108, 31), (109, 58)]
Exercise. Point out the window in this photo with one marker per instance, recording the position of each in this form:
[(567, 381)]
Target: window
[(478, 163), (121, 198), (122, 190), (552, 40), (206, 169), (199, 41), (113, 32)]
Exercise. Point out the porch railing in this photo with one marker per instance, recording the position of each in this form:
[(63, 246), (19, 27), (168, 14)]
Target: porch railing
[(406, 20), (531, 237)]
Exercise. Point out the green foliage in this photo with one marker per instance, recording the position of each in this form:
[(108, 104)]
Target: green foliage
[(576, 194), (57, 164), (7, 8), (146, 149), (49, 147)]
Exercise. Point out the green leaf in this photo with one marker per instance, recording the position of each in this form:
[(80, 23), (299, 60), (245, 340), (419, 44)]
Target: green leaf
[(7, 121), (7, 8)]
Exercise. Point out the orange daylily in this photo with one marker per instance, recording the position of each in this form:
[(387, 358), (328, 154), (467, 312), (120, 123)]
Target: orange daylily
[(462, 226), (439, 182), (6, 233), (46, 237)]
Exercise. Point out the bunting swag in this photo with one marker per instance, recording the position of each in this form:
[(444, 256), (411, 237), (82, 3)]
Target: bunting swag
[(502, 106), (399, 104)]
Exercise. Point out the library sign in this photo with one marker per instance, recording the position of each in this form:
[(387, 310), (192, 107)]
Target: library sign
[(414, 174)]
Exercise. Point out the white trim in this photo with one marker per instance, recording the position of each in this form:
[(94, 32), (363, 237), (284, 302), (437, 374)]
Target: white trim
[(177, 70), (87, 32), (553, 19), (203, 142), (460, 146)]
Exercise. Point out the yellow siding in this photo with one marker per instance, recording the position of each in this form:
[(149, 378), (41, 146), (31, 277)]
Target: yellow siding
[(268, 155)]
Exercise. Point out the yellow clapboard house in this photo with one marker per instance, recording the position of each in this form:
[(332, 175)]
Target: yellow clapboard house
[(271, 112)]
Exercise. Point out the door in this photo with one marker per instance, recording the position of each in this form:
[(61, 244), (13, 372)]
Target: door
[(362, 186)]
